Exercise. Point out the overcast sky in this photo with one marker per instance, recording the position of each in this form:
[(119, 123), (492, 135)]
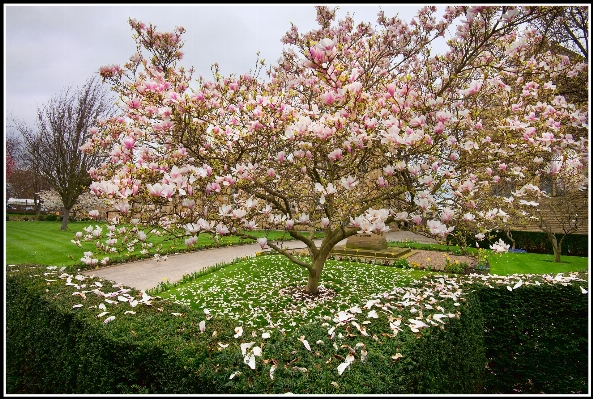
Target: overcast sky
[(48, 48)]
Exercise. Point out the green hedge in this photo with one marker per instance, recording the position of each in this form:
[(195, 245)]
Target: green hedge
[(537, 242), (532, 241), (536, 350), (55, 348)]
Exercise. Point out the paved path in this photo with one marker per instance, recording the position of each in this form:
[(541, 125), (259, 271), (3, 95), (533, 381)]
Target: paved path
[(146, 274)]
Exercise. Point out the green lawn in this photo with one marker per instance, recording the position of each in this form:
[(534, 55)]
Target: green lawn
[(528, 263), (45, 244), (248, 290)]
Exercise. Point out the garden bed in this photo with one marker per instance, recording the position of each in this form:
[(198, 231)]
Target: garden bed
[(438, 261)]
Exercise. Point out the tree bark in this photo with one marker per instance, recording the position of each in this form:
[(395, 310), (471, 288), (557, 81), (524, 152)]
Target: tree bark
[(312, 283), (65, 219), (319, 262), (555, 246)]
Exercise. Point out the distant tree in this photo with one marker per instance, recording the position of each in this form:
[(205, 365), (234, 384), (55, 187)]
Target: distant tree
[(22, 178), (63, 125), (561, 208), (12, 148), (85, 203)]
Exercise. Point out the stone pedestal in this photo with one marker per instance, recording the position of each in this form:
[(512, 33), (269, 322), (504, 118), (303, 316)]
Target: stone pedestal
[(371, 241)]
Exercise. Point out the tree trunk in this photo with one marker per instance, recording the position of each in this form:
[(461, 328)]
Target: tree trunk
[(65, 219), (318, 263), (555, 246), (312, 283), (510, 237)]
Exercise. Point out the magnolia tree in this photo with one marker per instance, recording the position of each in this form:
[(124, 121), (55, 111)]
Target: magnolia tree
[(355, 128)]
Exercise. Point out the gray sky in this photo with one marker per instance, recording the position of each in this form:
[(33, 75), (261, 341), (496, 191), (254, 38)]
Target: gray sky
[(51, 47)]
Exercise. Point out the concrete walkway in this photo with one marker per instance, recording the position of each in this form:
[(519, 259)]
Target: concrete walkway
[(146, 274)]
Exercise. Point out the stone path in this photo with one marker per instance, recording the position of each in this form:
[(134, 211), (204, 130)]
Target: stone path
[(146, 274)]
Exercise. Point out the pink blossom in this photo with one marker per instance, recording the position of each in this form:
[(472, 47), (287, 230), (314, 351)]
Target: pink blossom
[(473, 88), (335, 155), (168, 191), (191, 241), (468, 217), (155, 189), (417, 219), (447, 215), (280, 157), (348, 182), (221, 229), (437, 228), (381, 182), (123, 207), (555, 167), (328, 98), (388, 170), (263, 241), (547, 137)]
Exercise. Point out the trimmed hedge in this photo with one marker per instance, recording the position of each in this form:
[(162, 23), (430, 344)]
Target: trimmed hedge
[(532, 241), (538, 242), (55, 348), (541, 350)]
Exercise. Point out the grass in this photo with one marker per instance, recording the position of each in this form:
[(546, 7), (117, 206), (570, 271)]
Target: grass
[(248, 291), (44, 243), (530, 263)]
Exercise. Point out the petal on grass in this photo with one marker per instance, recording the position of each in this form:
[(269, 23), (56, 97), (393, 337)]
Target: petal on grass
[(249, 360), (343, 367)]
